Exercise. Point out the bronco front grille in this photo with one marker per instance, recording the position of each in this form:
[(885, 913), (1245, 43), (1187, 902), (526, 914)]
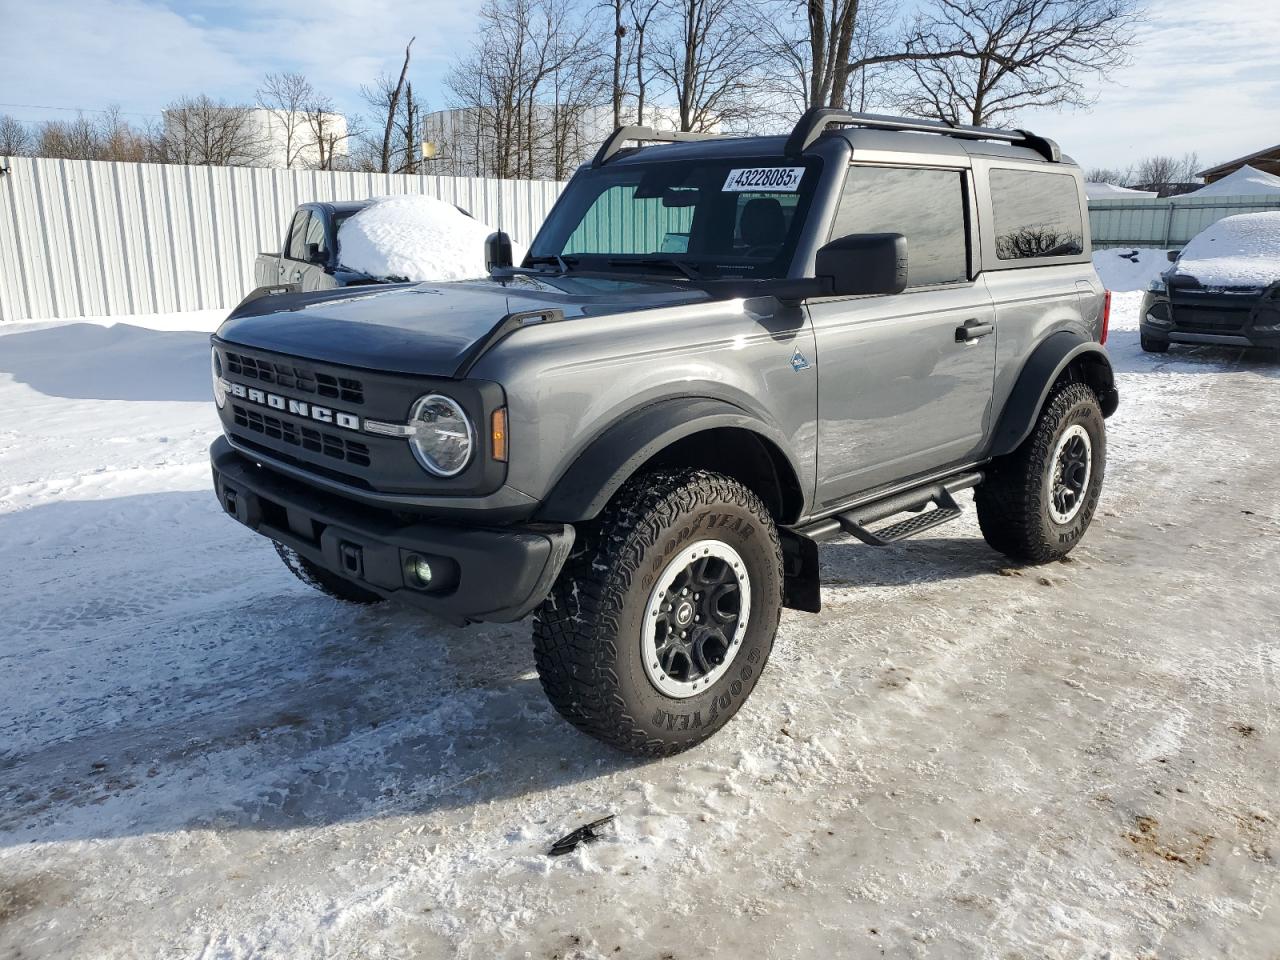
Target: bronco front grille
[(307, 438), (293, 377)]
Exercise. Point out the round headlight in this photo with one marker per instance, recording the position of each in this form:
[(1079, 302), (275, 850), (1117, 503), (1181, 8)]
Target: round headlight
[(219, 385), (443, 437)]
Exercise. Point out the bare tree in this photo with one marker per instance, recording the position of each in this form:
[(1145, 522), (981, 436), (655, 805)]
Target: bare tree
[(1162, 172), (285, 97), (328, 131), (522, 91), (707, 53), (202, 131), (979, 61), (1112, 175), (814, 49), (384, 97), (642, 12), (15, 138), (77, 139)]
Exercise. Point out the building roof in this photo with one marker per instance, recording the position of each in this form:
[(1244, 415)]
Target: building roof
[(1243, 182), (1269, 153)]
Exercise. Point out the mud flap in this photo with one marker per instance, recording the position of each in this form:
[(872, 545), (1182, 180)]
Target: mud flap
[(802, 578)]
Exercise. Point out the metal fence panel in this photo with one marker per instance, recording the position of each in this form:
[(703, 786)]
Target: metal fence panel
[(89, 238), (1171, 222)]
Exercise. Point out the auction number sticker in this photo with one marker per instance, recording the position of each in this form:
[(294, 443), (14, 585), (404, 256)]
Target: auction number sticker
[(766, 179)]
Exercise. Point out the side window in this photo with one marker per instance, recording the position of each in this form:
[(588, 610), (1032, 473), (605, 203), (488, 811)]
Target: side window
[(925, 206), (315, 234), (296, 248), (619, 222), (1036, 214)]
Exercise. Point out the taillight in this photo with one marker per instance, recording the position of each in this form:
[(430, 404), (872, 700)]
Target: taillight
[(1106, 316)]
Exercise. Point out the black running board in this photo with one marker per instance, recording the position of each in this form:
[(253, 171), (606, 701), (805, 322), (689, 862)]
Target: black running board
[(939, 495)]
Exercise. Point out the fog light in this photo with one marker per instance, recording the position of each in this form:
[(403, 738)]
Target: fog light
[(421, 570)]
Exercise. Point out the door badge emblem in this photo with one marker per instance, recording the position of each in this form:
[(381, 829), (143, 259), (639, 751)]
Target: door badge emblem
[(798, 361)]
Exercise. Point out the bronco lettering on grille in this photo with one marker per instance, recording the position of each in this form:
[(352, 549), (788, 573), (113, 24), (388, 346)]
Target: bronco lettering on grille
[(299, 408)]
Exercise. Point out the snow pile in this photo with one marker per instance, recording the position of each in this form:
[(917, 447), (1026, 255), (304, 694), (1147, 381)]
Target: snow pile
[(1247, 181), (415, 238), (1239, 251), (1109, 191), (1129, 268)]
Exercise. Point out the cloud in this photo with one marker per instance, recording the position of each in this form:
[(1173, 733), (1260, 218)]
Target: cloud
[(1204, 79), (141, 55)]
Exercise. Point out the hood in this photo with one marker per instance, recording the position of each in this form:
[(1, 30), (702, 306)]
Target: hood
[(429, 329)]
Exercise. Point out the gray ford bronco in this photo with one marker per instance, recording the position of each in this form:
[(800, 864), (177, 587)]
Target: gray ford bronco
[(718, 352)]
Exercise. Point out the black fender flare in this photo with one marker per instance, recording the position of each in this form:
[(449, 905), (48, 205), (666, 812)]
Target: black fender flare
[(610, 459), (1055, 354)]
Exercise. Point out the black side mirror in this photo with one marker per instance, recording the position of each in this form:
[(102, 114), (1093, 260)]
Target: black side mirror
[(863, 263), (314, 254), (1173, 255), (497, 251)]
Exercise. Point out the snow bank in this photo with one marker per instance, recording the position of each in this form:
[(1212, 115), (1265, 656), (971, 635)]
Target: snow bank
[(1246, 181), (1129, 268), (1107, 191), (415, 237), (1239, 251)]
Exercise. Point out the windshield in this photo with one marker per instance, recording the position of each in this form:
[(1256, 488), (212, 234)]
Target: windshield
[(735, 218)]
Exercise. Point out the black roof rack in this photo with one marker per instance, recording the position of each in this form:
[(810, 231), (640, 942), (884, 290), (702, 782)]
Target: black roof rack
[(643, 135), (816, 119)]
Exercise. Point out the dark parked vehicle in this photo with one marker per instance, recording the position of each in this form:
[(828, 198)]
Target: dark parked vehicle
[(719, 352), (308, 258), (1223, 288)]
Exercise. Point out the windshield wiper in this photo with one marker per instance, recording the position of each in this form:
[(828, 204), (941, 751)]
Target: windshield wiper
[(691, 272), (562, 262)]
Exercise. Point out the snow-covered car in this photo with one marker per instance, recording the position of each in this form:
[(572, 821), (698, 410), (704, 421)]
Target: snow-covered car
[(383, 240), (1223, 288)]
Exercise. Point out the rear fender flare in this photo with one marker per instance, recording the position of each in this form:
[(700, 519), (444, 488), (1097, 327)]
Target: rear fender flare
[(1055, 355), (608, 461)]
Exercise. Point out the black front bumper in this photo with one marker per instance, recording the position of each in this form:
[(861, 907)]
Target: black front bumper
[(1199, 316), (482, 573)]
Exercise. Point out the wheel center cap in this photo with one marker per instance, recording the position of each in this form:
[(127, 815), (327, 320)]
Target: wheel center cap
[(684, 613)]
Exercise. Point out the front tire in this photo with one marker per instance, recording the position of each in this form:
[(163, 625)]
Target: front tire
[(664, 616), (1037, 503), (1153, 344), (319, 578)]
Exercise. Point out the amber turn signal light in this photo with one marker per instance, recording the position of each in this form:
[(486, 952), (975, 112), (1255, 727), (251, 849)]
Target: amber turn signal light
[(498, 432)]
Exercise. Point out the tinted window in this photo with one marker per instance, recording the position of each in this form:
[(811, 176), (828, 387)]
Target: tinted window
[(296, 250), (721, 218), (1036, 214), (925, 206)]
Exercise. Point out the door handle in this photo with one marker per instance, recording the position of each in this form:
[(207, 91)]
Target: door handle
[(973, 330)]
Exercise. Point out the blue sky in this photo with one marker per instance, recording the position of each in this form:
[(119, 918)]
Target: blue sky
[(1205, 77)]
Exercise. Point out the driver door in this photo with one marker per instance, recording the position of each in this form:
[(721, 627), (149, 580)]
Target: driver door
[(905, 380)]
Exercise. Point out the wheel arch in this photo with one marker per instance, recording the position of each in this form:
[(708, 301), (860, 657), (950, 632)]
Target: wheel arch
[(693, 432), (1062, 357)]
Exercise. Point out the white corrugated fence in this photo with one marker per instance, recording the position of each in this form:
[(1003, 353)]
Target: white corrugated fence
[(89, 238), (1171, 222)]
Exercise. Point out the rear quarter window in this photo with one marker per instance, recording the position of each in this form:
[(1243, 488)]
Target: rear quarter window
[(1036, 214)]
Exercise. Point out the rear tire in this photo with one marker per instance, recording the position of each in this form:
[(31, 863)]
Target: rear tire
[(1152, 344), (321, 579), (663, 618), (1036, 503)]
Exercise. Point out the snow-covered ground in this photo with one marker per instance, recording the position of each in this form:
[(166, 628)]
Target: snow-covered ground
[(958, 758)]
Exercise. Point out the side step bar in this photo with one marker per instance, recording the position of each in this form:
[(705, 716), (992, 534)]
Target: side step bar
[(856, 521)]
